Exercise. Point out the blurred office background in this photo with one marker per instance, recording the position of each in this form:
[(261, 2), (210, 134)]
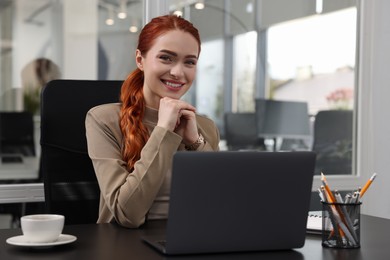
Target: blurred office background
[(260, 59)]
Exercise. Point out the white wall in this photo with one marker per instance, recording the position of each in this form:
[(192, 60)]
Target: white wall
[(374, 112)]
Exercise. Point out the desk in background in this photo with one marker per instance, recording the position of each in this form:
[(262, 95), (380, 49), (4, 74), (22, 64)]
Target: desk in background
[(26, 170), (18, 182), (18, 186), (110, 241)]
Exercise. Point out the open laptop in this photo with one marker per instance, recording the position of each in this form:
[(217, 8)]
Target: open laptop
[(236, 202), (11, 158)]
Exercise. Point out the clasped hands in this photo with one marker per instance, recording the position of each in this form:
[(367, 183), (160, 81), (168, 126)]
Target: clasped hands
[(178, 116)]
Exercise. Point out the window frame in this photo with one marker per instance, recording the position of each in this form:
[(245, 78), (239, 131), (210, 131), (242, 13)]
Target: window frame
[(360, 173)]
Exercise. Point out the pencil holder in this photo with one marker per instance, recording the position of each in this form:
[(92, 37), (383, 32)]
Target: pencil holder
[(341, 225)]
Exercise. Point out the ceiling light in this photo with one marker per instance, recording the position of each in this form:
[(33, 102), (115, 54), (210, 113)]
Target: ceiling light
[(110, 21), (122, 9), (199, 5), (122, 15), (178, 13), (249, 8), (133, 29), (110, 17)]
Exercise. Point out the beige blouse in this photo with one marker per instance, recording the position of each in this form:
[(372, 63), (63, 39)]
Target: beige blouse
[(128, 197)]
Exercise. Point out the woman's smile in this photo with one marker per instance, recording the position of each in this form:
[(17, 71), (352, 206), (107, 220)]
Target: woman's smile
[(172, 85)]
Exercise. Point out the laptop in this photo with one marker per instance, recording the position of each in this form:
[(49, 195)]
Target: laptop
[(235, 201), (11, 158)]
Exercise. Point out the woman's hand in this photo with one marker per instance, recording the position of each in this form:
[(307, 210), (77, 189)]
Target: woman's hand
[(178, 116)]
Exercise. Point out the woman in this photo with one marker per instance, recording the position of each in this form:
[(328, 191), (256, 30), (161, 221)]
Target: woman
[(131, 144)]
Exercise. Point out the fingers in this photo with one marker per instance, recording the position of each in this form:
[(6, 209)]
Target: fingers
[(171, 112), (176, 104)]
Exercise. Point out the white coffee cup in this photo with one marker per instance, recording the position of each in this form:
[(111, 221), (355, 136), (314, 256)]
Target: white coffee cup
[(42, 228)]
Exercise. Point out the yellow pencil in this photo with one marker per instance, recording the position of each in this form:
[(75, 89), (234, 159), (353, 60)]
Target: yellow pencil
[(368, 183), (332, 199)]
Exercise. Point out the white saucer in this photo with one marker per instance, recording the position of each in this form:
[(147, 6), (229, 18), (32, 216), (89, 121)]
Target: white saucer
[(21, 241)]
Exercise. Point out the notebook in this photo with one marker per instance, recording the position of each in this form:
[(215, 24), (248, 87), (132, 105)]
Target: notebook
[(237, 201), (314, 222)]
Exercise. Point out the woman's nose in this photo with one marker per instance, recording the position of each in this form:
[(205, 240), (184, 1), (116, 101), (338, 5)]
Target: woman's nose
[(177, 71)]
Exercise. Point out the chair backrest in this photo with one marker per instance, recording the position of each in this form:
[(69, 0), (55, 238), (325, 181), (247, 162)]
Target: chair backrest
[(241, 131), (17, 133), (70, 183), (333, 131)]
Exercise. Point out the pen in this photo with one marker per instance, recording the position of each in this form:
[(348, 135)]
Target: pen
[(348, 198), (339, 225), (354, 198), (367, 185), (338, 197), (358, 196), (334, 216), (345, 216), (339, 222), (320, 194)]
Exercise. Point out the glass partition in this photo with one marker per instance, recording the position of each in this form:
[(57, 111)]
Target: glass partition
[(308, 55), (42, 40)]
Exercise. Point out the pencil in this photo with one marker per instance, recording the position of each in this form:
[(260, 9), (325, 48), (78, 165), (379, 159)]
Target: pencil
[(367, 185), (332, 199)]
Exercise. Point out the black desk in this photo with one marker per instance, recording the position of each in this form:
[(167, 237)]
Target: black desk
[(109, 241)]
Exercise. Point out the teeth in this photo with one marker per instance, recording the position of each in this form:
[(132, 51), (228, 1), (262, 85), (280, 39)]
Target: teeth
[(172, 84)]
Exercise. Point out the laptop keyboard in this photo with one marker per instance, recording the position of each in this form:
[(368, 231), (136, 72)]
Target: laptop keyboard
[(11, 159)]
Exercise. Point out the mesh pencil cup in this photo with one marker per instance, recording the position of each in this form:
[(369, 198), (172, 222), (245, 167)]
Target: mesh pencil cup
[(341, 225)]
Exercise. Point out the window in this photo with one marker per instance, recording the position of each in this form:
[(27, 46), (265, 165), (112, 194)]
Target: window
[(209, 87), (244, 68), (313, 60), (308, 57)]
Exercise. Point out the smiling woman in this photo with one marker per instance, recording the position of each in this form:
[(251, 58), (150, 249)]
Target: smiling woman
[(132, 144), (172, 62)]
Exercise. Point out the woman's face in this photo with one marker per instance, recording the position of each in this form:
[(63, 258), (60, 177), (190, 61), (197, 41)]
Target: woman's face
[(169, 66)]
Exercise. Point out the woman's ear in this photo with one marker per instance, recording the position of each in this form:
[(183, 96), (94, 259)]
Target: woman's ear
[(139, 59)]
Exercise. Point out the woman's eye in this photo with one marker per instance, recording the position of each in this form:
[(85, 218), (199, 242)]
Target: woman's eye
[(191, 62), (165, 58)]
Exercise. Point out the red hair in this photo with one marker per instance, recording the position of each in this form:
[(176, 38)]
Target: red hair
[(135, 133)]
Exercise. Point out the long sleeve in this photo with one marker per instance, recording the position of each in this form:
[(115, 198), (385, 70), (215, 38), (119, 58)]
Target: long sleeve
[(128, 196)]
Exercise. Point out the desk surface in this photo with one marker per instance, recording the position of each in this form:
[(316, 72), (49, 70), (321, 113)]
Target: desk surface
[(109, 241)]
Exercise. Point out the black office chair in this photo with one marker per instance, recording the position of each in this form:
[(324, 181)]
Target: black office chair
[(241, 132), (333, 141), (70, 184), (17, 133)]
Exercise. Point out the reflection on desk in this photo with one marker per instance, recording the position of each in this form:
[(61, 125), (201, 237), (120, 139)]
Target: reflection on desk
[(110, 241), (17, 171)]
